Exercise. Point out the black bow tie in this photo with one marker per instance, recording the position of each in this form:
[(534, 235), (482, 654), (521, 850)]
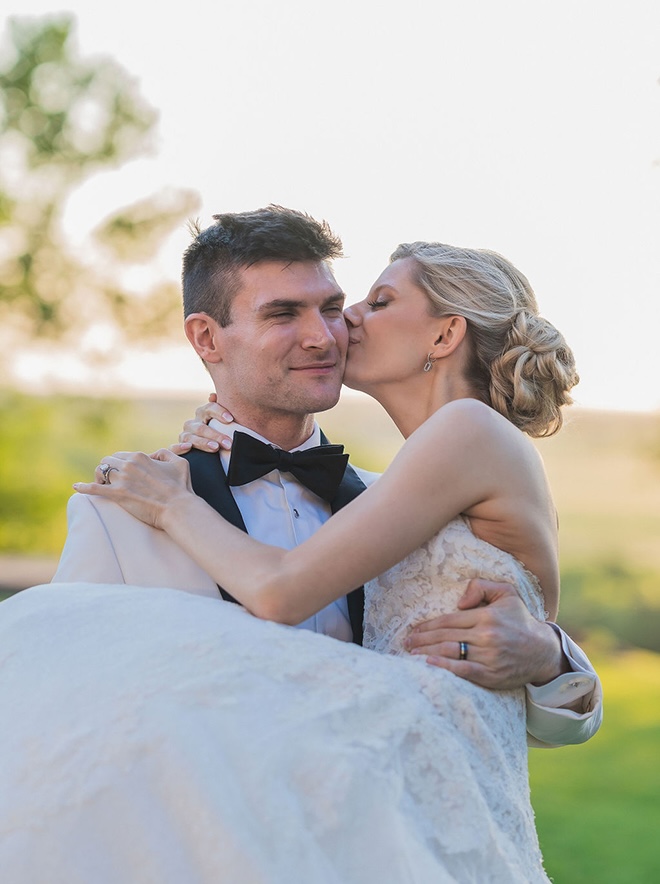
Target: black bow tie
[(320, 469)]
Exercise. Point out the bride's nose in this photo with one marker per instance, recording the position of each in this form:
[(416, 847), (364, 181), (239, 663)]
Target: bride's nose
[(352, 316)]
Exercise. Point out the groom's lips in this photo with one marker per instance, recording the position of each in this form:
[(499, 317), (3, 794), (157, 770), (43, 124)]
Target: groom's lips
[(324, 367)]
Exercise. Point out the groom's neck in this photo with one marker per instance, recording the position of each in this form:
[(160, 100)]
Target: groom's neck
[(286, 430)]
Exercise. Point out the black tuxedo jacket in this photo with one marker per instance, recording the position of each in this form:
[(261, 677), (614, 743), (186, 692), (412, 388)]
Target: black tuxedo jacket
[(209, 481)]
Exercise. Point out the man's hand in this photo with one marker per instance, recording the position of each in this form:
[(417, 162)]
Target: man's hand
[(506, 646)]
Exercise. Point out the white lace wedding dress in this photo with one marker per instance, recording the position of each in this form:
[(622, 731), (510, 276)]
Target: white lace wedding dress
[(155, 736)]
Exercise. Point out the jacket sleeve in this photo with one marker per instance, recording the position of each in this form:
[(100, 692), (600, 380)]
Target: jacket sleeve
[(569, 709), (89, 554)]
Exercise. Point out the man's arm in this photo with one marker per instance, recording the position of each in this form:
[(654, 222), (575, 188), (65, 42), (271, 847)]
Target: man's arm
[(105, 544), (89, 555), (506, 648)]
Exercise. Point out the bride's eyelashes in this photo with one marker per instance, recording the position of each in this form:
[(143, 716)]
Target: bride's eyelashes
[(377, 303)]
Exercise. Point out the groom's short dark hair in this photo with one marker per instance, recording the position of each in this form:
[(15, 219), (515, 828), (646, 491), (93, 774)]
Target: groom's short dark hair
[(212, 262)]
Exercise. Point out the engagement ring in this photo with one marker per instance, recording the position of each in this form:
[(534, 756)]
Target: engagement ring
[(106, 469)]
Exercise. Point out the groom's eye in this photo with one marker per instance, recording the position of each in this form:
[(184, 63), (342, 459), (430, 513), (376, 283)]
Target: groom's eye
[(281, 314)]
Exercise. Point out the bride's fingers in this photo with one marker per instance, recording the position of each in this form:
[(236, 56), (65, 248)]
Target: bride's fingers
[(122, 462), (99, 474), (175, 468), (198, 434), (180, 447), (213, 410), (109, 464), (97, 489), (164, 455)]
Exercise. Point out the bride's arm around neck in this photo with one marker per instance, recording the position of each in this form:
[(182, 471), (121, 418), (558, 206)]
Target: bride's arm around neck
[(466, 459)]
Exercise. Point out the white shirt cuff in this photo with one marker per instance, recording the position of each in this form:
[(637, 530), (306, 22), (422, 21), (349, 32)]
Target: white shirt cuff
[(567, 689), (568, 709)]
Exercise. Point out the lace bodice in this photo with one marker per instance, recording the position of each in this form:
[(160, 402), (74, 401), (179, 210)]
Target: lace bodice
[(431, 580)]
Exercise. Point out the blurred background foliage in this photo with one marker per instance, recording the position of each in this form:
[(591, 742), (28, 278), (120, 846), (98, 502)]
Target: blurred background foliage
[(63, 119)]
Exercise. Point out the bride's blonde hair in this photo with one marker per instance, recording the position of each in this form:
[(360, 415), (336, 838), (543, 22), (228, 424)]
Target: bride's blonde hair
[(520, 364)]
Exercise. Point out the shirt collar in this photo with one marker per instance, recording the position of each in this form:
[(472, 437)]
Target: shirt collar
[(230, 429)]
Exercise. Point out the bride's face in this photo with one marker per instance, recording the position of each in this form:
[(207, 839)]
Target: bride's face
[(390, 332)]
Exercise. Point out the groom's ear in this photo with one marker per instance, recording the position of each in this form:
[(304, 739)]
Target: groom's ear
[(203, 332)]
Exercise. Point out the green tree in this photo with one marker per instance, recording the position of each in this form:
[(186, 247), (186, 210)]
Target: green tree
[(62, 119)]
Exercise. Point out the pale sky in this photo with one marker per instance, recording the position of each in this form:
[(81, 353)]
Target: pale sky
[(532, 128)]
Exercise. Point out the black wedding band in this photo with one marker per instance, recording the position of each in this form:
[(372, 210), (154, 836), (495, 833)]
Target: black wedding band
[(462, 650)]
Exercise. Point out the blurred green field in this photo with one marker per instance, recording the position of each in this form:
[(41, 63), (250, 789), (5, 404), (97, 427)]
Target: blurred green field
[(597, 807)]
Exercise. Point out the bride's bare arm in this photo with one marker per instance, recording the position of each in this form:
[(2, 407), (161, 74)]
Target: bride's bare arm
[(459, 461)]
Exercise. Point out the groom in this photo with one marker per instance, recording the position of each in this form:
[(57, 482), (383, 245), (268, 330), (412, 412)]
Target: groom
[(264, 312)]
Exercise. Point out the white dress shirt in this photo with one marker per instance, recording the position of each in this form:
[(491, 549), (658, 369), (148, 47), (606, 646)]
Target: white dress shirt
[(280, 511)]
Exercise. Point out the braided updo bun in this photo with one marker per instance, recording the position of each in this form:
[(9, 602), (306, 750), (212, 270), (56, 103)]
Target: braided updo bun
[(519, 364)]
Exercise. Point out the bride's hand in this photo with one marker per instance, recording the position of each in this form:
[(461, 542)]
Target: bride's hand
[(144, 485), (198, 434)]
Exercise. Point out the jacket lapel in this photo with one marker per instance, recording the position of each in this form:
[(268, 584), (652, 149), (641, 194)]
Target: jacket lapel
[(351, 486), (209, 481)]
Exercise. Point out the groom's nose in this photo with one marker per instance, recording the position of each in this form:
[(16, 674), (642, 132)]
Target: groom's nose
[(316, 332)]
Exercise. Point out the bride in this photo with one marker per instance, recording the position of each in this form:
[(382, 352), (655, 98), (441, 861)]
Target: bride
[(297, 751)]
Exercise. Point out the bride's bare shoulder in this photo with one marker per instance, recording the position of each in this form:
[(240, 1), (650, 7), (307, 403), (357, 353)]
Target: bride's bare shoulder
[(470, 423), (474, 415)]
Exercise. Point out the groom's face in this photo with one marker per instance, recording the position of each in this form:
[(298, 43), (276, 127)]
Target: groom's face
[(284, 350)]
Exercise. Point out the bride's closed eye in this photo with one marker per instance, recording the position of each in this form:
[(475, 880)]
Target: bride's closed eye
[(377, 303)]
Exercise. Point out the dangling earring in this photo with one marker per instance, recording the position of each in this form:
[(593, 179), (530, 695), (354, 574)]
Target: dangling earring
[(428, 365)]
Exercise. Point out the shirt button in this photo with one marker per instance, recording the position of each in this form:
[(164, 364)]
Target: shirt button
[(296, 513)]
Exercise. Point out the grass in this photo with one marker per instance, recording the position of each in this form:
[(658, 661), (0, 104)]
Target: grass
[(597, 807)]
